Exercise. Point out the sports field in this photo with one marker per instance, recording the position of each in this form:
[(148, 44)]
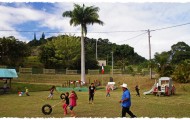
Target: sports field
[(178, 106)]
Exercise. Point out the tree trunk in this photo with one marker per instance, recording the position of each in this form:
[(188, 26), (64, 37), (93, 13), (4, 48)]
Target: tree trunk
[(82, 57)]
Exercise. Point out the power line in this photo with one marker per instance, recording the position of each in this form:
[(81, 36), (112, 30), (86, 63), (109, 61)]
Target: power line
[(134, 36), (170, 27), (117, 31), (95, 31), (66, 31), (36, 31)]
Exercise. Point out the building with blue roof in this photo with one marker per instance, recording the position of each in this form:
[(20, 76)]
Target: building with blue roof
[(6, 75)]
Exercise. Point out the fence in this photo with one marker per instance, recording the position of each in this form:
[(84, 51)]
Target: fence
[(93, 72), (76, 72), (71, 72), (116, 71), (25, 70), (49, 71)]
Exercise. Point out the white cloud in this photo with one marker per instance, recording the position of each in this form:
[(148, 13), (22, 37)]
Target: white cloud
[(145, 16), (12, 16), (117, 17)]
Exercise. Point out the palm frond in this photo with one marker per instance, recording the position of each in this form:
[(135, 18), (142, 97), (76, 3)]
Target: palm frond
[(82, 15), (67, 14)]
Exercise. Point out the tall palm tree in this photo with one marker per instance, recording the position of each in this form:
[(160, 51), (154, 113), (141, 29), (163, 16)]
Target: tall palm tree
[(83, 16)]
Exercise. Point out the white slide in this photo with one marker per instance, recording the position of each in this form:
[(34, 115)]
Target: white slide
[(150, 91)]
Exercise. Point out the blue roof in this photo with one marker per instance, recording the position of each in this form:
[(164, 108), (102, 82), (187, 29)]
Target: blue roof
[(8, 73)]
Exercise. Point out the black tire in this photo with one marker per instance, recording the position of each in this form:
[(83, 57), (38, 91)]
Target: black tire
[(62, 96), (46, 109)]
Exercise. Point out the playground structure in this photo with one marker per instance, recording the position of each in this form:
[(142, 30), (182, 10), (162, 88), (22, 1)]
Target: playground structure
[(164, 86), (111, 85), (6, 75)]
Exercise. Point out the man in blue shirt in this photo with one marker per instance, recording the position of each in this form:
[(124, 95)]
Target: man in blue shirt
[(126, 102)]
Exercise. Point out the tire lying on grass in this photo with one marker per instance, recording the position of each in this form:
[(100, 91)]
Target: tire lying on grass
[(46, 109), (62, 96)]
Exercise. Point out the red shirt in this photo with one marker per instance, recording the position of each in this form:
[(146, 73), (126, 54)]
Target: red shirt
[(73, 99)]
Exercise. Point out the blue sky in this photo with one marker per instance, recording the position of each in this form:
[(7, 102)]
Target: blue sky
[(117, 16)]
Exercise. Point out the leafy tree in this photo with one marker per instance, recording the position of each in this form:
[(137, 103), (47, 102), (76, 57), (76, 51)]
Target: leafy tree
[(164, 67), (43, 36), (34, 37), (182, 72), (33, 42), (61, 52), (13, 51), (104, 49), (130, 69), (47, 54), (42, 39), (180, 52), (83, 16), (123, 53), (64, 52)]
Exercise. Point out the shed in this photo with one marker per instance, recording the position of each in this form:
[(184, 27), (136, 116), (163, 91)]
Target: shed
[(7, 75)]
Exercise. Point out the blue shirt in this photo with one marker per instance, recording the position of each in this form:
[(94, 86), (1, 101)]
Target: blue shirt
[(126, 103)]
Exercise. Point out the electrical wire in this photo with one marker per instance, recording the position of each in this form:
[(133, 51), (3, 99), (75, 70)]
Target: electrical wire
[(97, 32), (133, 37), (170, 27), (66, 31)]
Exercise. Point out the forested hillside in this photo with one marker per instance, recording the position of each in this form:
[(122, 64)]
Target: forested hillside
[(64, 52)]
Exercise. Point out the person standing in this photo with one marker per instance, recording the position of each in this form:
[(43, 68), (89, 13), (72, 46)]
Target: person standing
[(51, 92), (27, 91), (73, 102), (108, 91), (126, 101), (137, 90), (66, 103), (92, 90)]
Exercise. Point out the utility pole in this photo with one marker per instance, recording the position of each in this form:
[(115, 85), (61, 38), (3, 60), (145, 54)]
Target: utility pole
[(96, 51), (150, 53), (107, 59), (112, 63)]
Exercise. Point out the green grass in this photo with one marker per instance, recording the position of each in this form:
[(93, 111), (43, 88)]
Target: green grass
[(15, 87), (177, 106), (150, 106)]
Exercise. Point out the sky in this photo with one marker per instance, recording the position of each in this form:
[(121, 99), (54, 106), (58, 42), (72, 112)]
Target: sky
[(124, 22)]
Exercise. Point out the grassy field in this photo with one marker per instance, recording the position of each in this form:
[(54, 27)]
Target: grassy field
[(178, 106)]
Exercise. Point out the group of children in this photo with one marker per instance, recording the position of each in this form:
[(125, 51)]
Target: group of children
[(69, 101), (26, 92)]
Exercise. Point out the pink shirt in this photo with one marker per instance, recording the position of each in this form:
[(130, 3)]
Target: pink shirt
[(73, 99), (108, 90)]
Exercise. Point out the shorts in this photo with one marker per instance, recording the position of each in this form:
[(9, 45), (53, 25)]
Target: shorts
[(71, 107), (50, 95)]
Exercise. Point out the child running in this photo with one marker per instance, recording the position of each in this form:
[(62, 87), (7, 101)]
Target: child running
[(137, 90), (108, 91), (51, 92), (66, 103), (73, 102)]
